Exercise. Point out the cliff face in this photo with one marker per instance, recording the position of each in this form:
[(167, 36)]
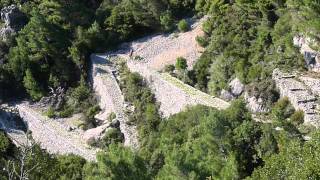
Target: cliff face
[(311, 56), (301, 96), (13, 19)]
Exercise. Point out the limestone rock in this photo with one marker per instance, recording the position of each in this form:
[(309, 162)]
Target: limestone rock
[(55, 100), (91, 136), (311, 57), (300, 96), (254, 104), (13, 19), (237, 87), (226, 95)]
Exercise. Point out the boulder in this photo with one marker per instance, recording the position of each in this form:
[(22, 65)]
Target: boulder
[(236, 87), (226, 95), (92, 136), (254, 104)]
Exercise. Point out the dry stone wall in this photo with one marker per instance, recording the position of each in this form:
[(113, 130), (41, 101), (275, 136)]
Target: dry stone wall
[(53, 136), (300, 96), (107, 88)]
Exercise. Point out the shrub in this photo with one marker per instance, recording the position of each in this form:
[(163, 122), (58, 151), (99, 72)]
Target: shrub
[(202, 41), (50, 113), (67, 112), (4, 142), (282, 109), (297, 117), (113, 136), (90, 121), (112, 116), (181, 63), (166, 21), (183, 26)]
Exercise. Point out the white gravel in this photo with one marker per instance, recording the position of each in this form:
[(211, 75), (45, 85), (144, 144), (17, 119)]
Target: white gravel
[(111, 98), (53, 136), (157, 51)]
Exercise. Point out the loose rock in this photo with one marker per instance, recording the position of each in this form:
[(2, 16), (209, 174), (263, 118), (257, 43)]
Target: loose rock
[(236, 87)]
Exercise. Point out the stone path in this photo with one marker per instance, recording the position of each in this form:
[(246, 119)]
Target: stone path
[(151, 54), (107, 88), (53, 136)]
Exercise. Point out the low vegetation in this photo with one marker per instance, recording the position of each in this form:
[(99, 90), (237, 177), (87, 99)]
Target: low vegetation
[(244, 39)]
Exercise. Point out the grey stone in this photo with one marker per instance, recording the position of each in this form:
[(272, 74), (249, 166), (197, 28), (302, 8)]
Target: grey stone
[(115, 123), (236, 86), (255, 104), (226, 95), (13, 19), (300, 96)]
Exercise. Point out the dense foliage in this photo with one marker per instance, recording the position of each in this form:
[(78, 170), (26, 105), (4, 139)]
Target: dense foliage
[(243, 38), (246, 39)]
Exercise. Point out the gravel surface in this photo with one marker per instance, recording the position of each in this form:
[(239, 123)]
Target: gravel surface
[(53, 136), (107, 88), (159, 50)]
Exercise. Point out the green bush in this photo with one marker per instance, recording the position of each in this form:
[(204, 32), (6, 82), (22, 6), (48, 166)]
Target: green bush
[(297, 117), (282, 109), (181, 63), (112, 116), (4, 143), (112, 136), (167, 22), (202, 41), (90, 121), (50, 113), (67, 112), (183, 26)]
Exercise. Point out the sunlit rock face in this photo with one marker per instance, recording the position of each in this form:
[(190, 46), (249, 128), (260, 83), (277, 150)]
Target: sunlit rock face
[(311, 56), (300, 95), (13, 19)]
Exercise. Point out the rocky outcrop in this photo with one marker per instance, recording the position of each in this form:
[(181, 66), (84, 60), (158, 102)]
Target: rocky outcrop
[(13, 19), (255, 104), (236, 87), (312, 83), (92, 136), (55, 100), (11, 123), (226, 95), (312, 57), (299, 95)]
